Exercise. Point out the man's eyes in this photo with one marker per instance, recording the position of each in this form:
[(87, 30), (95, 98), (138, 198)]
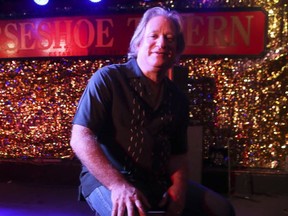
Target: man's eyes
[(167, 37), (170, 38), (153, 36)]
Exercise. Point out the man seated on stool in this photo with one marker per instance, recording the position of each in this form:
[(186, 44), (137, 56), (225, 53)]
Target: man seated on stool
[(130, 128)]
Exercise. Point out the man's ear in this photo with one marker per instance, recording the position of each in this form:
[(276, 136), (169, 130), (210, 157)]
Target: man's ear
[(137, 49), (138, 45)]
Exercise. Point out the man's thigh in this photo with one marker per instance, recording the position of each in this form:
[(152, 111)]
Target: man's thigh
[(100, 201), (203, 201)]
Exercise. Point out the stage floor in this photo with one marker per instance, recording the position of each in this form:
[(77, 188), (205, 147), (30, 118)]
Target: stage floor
[(26, 199), (52, 189)]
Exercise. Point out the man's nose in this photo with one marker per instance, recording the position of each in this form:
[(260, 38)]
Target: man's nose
[(161, 41)]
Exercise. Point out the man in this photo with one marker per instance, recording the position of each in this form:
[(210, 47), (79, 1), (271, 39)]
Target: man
[(130, 128)]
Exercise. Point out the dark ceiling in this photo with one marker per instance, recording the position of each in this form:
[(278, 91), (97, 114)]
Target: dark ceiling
[(20, 8)]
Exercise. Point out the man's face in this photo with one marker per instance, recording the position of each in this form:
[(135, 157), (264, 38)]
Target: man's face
[(157, 49)]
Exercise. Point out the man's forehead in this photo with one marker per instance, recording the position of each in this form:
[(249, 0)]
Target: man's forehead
[(160, 23)]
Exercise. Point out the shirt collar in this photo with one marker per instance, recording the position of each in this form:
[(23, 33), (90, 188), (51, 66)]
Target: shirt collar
[(134, 70)]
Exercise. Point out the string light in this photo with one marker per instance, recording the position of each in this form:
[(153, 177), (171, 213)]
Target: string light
[(41, 2)]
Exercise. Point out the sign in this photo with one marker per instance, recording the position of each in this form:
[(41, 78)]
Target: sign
[(225, 33), (210, 33)]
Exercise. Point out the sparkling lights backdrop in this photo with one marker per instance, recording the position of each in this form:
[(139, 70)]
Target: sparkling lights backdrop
[(241, 102)]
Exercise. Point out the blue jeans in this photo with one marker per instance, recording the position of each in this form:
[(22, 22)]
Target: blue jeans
[(200, 201)]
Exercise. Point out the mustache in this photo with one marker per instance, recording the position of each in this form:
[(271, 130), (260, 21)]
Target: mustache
[(163, 52)]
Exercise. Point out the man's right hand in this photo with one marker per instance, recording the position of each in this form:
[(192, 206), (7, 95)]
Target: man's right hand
[(128, 200)]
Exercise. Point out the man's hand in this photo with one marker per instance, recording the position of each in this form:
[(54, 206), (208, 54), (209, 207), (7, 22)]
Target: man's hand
[(128, 199), (177, 197), (176, 194)]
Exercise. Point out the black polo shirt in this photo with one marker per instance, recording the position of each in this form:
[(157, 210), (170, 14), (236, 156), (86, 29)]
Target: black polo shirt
[(137, 135)]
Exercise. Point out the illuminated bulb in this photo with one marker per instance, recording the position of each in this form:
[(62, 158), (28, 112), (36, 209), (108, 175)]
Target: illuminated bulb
[(41, 2)]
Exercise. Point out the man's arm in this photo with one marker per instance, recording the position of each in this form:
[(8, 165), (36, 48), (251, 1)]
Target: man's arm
[(124, 196), (179, 177), (87, 149)]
